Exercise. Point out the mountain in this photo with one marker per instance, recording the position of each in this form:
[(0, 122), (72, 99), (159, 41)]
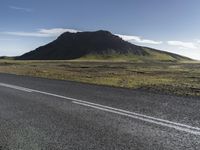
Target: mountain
[(96, 45)]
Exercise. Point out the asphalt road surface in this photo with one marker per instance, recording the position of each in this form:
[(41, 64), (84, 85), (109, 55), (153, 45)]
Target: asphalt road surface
[(42, 114)]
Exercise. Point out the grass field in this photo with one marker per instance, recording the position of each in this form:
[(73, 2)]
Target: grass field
[(169, 77)]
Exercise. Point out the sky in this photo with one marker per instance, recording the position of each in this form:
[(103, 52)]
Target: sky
[(169, 25)]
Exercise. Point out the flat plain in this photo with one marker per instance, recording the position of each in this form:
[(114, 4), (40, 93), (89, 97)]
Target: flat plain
[(180, 78)]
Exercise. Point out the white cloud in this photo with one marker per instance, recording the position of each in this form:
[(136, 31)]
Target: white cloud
[(181, 44), (33, 34), (43, 32), (138, 39), (56, 31), (198, 41), (9, 39), (20, 8)]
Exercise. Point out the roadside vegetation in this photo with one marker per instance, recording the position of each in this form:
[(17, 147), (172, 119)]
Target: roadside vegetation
[(181, 78)]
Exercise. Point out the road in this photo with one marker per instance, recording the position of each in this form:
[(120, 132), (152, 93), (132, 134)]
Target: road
[(42, 114)]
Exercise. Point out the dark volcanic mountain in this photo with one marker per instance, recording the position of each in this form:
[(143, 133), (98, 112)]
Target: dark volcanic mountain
[(77, 45)]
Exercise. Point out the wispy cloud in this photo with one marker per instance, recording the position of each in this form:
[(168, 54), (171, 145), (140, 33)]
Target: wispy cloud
[(20, 8), (181, 44), (43, 32), (8, 39), (138, 39), (30, 34), (57, 31)]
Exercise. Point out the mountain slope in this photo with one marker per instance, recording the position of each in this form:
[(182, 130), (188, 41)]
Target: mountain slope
[(99, 44)]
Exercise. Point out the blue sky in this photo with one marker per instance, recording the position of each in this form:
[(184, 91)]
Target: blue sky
[(171, 25)]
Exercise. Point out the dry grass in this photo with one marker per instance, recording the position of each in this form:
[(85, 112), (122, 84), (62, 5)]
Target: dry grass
[(171, 77)]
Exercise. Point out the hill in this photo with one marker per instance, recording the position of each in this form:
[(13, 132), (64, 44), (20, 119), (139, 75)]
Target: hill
[(6, 58), (95, 45)]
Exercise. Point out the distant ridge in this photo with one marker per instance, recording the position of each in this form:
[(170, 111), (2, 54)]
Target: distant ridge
[(78, 45)]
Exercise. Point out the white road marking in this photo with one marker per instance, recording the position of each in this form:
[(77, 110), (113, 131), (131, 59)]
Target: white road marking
[(15, 87), (182, 127), (158, 121)]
